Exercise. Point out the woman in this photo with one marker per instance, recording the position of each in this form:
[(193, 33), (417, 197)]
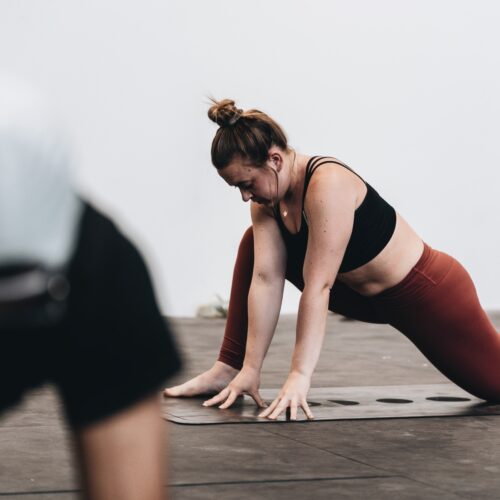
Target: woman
[(318, 224)]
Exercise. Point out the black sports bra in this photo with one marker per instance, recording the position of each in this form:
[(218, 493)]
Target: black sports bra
[(374, 224)]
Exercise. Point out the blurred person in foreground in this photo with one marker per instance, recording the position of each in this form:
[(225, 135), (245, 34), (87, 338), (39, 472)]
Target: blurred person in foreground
[(77, 308)]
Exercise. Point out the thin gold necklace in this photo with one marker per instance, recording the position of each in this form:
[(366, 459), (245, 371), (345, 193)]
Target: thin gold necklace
[(284, 212)]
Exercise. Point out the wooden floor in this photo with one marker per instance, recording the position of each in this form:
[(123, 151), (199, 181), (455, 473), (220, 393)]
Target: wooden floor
[(407, 458)]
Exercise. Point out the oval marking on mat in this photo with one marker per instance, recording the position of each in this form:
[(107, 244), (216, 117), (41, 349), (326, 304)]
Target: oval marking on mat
[(447, 398), (343, 402), (395, 400)]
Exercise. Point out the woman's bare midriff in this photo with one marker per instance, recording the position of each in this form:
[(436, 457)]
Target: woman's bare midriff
[(390, 266)]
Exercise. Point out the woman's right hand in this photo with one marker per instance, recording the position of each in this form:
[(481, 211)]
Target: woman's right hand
[(246, 382)]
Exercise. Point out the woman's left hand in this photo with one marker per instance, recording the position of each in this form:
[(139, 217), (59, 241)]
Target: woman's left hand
[(292, 396)]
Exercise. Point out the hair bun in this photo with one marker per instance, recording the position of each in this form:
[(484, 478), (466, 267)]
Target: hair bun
[(224, 112)]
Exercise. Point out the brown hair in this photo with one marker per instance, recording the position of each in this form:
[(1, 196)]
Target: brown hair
[(246, 134)]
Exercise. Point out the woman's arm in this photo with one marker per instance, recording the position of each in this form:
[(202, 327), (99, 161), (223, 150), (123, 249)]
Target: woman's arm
[(264, 303), (329, 207), (266, 290)]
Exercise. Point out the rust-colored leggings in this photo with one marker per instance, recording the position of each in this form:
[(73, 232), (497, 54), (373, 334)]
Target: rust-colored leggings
[(435, 306)]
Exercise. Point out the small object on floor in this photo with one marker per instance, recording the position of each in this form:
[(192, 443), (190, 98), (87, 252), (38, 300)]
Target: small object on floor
[(217, 308), (341, 403)]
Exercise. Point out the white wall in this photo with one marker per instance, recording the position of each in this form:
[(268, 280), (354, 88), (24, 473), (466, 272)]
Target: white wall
[(405, 92)]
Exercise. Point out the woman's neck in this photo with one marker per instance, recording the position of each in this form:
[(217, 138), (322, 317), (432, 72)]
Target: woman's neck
[(296, 169)]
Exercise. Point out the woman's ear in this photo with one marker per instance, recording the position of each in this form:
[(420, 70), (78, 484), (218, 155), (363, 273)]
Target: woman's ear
[(276, 159)]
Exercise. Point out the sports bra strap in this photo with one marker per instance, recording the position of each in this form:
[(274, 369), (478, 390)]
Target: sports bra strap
[(314, 163)]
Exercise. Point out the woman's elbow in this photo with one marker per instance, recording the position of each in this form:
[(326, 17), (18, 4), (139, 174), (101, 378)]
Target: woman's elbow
[(322, 287)]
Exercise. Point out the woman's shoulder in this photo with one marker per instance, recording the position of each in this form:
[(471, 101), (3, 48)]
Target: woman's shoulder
[(334, 179)]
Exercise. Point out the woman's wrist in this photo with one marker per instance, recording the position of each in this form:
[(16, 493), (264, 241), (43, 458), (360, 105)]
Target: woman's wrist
[(251, 367), (301, 372)]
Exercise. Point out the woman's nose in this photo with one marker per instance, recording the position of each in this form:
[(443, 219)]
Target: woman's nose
[(245, 195)]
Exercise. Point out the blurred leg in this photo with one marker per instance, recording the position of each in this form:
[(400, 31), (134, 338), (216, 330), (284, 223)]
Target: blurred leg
[(123, 456)]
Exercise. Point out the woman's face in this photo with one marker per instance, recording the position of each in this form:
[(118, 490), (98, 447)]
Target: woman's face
[(255, 183)]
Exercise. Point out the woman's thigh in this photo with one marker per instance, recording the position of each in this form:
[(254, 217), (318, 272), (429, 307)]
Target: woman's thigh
[(438, 309)]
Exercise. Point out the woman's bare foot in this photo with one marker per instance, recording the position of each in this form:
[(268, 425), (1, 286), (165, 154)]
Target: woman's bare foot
[(207, 383)]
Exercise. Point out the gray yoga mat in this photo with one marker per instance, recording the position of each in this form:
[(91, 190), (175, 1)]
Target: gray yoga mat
[(341, 403)]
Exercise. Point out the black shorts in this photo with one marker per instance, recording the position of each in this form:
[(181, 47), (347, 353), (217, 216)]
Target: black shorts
[(111, 349)]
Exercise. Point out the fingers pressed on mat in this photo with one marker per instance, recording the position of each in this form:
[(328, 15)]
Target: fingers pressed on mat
[(217, 398), (229, 401), (269, 409)]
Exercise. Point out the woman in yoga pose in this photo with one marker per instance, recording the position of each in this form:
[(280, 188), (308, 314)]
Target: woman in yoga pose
[(318, 224)]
